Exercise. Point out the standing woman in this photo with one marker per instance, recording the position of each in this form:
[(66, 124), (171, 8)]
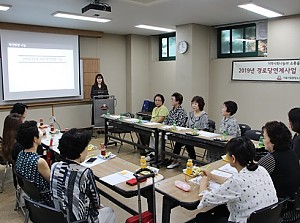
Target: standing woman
[(99, 84), (294, 120)]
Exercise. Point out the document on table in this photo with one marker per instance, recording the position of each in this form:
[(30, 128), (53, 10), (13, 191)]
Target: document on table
[(115, 116), (118, 177), (151, 123), (227, 168), (212, 184), (221, 173), (208, 134)]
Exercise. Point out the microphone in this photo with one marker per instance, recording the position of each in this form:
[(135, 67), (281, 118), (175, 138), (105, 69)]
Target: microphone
[(53, 119)]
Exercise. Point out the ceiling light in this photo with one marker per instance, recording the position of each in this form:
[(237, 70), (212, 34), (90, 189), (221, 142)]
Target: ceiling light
[(4, 7), (260, 10), (155, 28), (68, 15)]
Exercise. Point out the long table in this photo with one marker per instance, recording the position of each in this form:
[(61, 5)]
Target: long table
[(173, 197), (129, 124), (116, 165), (204, 140)]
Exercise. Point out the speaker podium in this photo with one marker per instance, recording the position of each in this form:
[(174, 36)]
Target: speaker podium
[(102, 104)]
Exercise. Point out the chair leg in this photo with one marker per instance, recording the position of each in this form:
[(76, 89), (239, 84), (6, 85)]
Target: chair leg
[(183, 151), (4, 177), (204, 154), (134, 147), (26, 216), (121, 141)]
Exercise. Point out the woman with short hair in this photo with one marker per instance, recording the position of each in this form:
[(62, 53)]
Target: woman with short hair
[(197, 119), (281, 163), (73, 186), (29, 164)]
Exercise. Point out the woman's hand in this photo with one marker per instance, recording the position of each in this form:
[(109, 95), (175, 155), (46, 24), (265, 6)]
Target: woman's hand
[(204, 182), (207, 173)]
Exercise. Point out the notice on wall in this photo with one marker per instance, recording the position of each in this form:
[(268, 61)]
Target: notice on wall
[(266, 70)]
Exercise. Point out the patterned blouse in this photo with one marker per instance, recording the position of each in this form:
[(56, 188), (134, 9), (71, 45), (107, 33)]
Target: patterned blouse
[(177, 116), (231, 126), (200, 122), (27, 166), (244, 193), (74, 191)]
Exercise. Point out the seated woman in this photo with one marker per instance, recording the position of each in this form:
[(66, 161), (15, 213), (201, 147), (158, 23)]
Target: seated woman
[(10, 128), (196, 119), (244, 192), (159, 113), (229, 124), (73, 186), (29, 164), (176, 116), (294, 121), (281, 163)]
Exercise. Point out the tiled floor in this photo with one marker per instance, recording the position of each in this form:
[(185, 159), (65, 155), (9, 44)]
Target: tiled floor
[(178, 215)]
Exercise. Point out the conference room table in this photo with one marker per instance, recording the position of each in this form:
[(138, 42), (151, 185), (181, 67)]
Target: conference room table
[(209, 141), (161, 132), (133, 125), (117, 165), (173, 196)]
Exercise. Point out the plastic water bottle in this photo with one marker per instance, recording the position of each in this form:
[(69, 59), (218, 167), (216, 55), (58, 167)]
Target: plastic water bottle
[(224, 135), (143, 162), (107, 113), (189, 167), (140, 119), (261, 142), (174, 126)]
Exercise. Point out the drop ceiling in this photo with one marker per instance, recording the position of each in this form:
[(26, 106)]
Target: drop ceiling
[(128, 13)]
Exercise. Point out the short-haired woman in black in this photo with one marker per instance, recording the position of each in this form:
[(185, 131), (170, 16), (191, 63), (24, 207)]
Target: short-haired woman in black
[(282, 163), (294, 121)]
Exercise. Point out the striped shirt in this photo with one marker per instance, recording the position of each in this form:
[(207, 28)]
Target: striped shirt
[(74, 191)]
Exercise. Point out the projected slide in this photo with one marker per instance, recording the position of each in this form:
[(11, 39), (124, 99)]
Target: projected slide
[(39, 66), (45, 69)]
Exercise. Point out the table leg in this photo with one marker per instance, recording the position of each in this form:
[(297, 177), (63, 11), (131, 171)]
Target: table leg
[(156, 138), (168, 204), (105, 132)]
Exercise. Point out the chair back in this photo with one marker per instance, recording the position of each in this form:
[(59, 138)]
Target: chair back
[(40, 213), (297, 199), (270, 214), (253, 134), (29, 187), (211, 125), (128, 114), (244, 128)]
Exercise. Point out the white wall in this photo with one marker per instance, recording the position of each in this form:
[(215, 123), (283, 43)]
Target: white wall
[(132, 71), (258, 102)]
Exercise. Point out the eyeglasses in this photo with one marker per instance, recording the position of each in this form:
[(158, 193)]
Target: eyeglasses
[(157, 100)]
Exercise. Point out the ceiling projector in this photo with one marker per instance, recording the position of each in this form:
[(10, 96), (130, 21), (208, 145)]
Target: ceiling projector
[(93, 9)]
